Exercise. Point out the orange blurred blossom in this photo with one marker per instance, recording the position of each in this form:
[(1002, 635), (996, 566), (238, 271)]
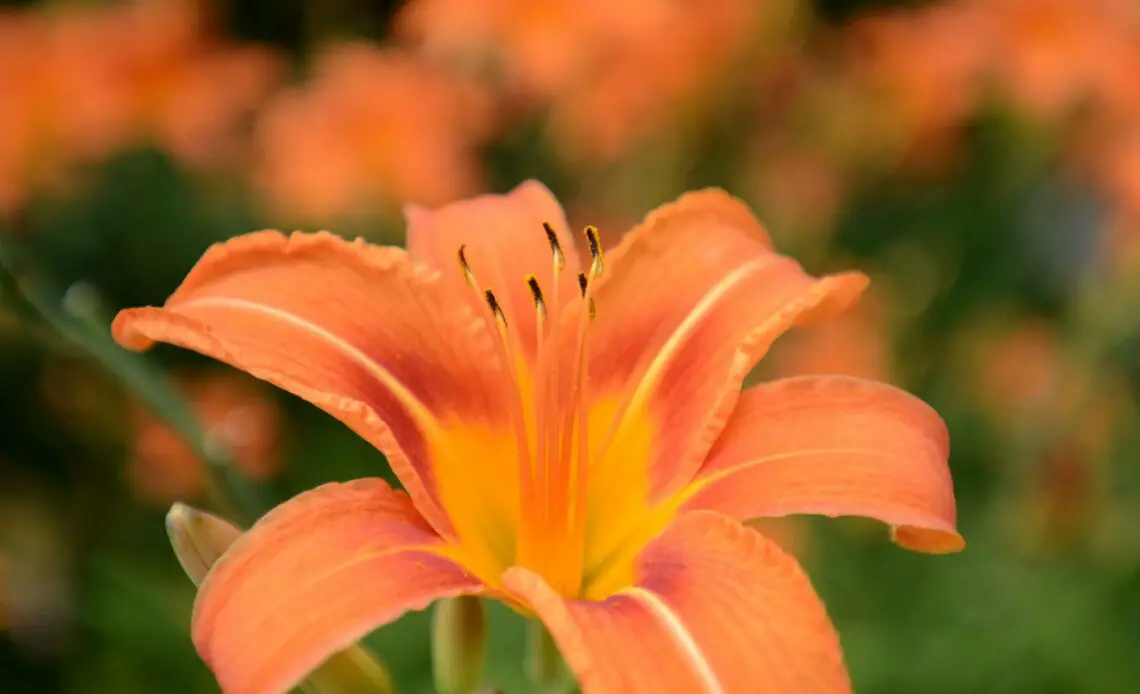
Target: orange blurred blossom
[(58, 100), (1052, 54), (161, 468), (77, 84), (540, 46), (1018, 369), (185, 88), (801, 188), (641, 83), (924, 70), (611, 72), (572, 436), (371, 125)]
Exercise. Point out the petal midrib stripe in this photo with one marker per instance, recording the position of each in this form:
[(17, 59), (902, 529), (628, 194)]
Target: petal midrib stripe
[(676, 629), (415, 406), (756, 461)]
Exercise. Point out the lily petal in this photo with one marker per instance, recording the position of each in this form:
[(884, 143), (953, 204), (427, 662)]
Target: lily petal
[(358, 330), (718, 609), (314, 576), (504, 242), (690, 300), (835, 445)]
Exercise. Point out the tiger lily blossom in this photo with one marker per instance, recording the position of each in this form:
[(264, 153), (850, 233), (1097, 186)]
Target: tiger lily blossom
[(572, 436)]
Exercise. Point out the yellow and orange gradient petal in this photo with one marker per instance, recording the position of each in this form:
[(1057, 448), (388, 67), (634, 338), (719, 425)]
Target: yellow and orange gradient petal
[(566, 429)]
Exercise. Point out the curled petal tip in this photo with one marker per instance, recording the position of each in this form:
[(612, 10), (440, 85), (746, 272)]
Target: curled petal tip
[(123, 331), (928, 541)]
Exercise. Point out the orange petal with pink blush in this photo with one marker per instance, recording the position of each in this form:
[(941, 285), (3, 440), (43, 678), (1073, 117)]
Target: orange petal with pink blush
[(314, 576), (836, 446), (689, 301), (504, 242), (360, 331), (717, 609)]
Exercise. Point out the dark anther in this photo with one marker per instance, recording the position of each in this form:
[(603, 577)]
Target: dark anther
[(536, 293), (595, 248), (493, 304), (555, 247), (468, 275)]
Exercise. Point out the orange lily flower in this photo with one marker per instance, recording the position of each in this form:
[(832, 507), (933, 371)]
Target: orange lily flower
[(572, 437)]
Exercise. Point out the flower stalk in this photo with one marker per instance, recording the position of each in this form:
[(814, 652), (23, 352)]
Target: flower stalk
[(544, 664), (458, 643)]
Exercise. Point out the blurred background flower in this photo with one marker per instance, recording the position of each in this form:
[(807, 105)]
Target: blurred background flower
[(370, 130), (980, 159), (237, 416), (79, 82)]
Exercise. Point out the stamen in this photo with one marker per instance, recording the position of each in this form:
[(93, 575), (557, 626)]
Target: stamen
[(547, 402), (554, 475), (536, 546), (508, 363)]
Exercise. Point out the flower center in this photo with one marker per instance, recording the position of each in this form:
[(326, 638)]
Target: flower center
[(550, 418)]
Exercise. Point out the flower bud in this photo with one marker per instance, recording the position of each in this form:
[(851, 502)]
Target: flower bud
[(199, 539)]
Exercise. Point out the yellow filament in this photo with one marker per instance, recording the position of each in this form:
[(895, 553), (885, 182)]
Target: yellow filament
[(507, 361), (534, 511)]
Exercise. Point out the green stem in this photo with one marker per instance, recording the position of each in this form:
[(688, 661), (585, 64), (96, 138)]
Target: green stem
[(544, 664), (229, 492)]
